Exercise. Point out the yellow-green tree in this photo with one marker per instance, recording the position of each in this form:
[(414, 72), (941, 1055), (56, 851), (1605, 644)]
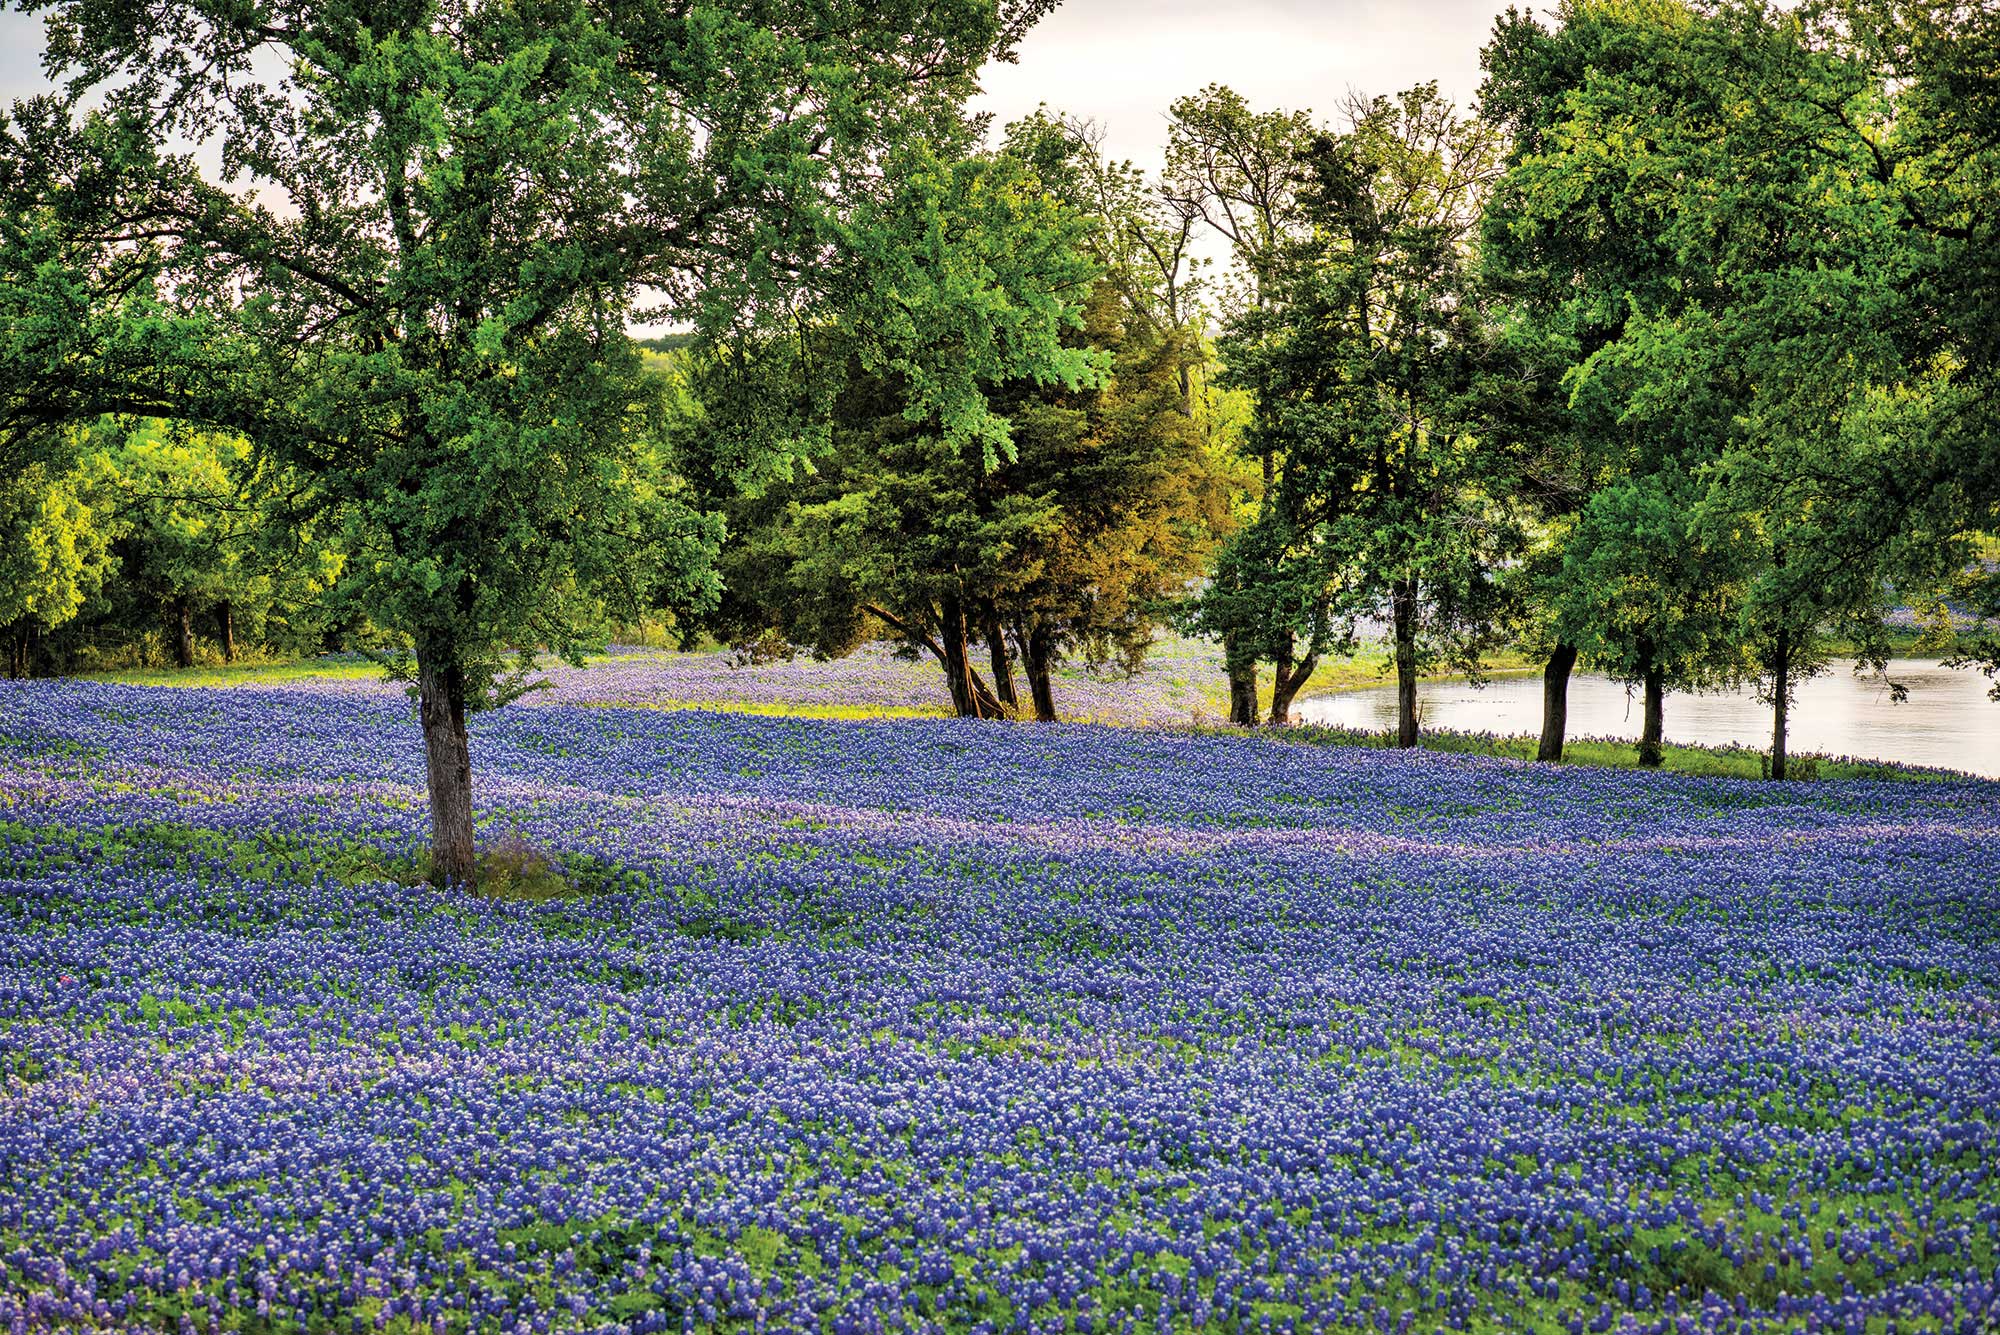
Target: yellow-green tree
[(55, 552)]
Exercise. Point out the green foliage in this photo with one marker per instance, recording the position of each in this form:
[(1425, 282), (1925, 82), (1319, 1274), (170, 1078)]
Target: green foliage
[(54, 551), (430, 333), (513, 870), (1639, 591), (974, 484), (1683, 355), (1580, 235), (967, 271), (1730, 227), (1237, 170), (1129, 490), (157, 528), (1365, 361), (1723, 762)]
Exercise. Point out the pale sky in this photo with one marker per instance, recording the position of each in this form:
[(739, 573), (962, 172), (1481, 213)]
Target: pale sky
[(1120, 62), (20, 55)]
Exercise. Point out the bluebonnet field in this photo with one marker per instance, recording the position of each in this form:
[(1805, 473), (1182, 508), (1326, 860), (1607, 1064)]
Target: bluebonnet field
[(918, 1024)]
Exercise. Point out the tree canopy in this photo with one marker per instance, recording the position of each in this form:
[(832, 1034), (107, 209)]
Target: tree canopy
[(412, 284)]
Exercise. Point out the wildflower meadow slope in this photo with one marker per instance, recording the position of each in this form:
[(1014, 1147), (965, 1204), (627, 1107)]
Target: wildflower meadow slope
[(917, 1024)]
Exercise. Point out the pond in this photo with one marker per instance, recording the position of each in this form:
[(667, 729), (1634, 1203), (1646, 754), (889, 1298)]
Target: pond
[(1947, 720)]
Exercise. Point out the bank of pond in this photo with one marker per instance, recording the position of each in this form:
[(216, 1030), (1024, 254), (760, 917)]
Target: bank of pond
[(1946, 720)]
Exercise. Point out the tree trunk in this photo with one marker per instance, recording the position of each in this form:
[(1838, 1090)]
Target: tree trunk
[(1039, 662), (969, 696), (1781, 693), (183, 627), (996, 650), (1403, 608), (1555, 702), (17, 652), (951, 643), (1652, 733), (441, 708), (1242, 682), (225, 627), (984, 701), (1286, 683)]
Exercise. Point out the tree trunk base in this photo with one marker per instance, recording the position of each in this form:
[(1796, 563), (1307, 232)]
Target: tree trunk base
[(1242, 685), (1781, 704), (996, 653), (1040, 665), (1286, 683), (1555, 703), (1652, 736), (1403, 609), (183, 628), (448, 757)]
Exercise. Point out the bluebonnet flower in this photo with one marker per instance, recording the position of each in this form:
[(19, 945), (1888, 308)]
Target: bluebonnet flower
[(919, 1024)]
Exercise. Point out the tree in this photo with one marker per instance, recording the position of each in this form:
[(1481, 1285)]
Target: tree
[(1136, 469), (1270, 599), (1645, 600), (1574, 251), (184, 529), (1074, 542), (1750, 338), (432, 327), (1365, 363), (1068, 535), (55, 551), (1239, 172), (1935, 152), (204, 542), (1867, 460), (1140, 235), (897, 517), (1131, 497)]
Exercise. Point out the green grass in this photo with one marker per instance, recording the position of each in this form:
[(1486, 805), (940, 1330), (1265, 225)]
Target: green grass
[(1374, 668), (1901, 641), (1727, 762), (508, 868), (1362, 671), (295, 857), (259, 672), (241, 674), (777, 710), (1367, 669)]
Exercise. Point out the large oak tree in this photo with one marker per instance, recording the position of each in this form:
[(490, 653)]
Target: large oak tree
[(411, 277)]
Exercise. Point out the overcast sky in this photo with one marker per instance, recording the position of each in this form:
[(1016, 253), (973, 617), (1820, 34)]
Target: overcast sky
[(1120, 62), (20, 55)]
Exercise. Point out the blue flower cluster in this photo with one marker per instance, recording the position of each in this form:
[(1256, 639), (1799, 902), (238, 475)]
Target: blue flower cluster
[(925, 1025)]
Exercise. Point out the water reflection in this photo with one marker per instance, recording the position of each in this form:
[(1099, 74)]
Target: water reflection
[(1947, 720)]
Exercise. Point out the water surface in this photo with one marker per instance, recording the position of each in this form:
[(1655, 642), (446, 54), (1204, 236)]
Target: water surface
[(1947, 720)]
